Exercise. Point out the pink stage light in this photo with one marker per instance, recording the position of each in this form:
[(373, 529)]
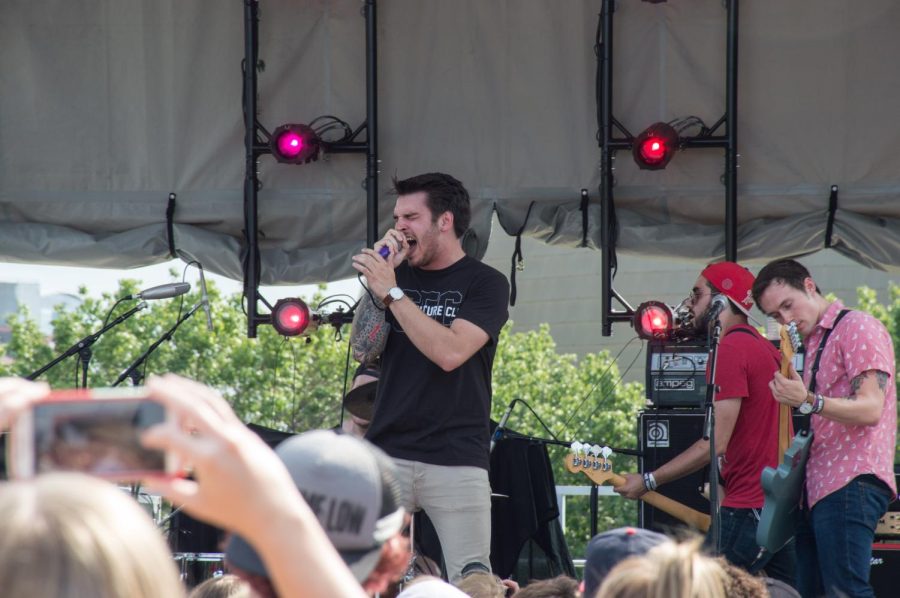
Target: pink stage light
[(294, 144)]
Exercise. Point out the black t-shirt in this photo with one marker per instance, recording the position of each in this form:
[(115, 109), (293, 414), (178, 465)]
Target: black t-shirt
[(423, 413)]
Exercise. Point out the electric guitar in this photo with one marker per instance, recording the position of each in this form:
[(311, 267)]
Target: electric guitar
[(783, 485), (593, 461)]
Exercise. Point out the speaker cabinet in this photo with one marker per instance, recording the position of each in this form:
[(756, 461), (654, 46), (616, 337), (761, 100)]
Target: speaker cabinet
[(885, 564), (663, 434)]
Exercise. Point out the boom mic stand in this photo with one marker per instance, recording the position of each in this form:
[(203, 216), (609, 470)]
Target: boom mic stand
[(83, 347), (132, 370), (710, 435), (594, 498)]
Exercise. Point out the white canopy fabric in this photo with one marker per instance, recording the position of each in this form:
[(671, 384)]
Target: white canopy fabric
[(108, 106)]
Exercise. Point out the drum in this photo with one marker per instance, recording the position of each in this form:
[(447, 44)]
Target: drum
[(197, 567)]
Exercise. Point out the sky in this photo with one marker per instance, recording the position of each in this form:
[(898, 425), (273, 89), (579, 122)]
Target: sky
[(62, 279)]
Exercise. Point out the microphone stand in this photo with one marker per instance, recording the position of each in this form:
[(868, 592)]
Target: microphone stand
[(710, 435), (132, 370), (536, 440), (83, 347), (595, 494)]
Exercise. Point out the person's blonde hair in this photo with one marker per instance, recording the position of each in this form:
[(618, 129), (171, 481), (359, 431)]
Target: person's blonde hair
[(68, 535), (482, 584), (223, 586), (667, 570)]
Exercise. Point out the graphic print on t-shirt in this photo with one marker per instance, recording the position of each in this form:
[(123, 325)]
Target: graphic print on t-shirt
[(440, 306)]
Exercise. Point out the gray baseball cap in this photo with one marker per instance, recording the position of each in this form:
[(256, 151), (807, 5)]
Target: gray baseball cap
[(351, 486), (609, 548)]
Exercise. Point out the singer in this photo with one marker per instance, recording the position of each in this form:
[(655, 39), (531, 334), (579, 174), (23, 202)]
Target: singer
[(746, 420), (435, 321)]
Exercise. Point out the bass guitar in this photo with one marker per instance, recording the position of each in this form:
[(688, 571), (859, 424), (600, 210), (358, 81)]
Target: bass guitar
[(593, 461), (783, 486)]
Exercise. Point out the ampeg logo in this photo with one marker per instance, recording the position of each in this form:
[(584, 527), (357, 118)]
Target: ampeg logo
[(658, 433)]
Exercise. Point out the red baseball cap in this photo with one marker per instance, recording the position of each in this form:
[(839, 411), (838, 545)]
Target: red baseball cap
[(734, 281)]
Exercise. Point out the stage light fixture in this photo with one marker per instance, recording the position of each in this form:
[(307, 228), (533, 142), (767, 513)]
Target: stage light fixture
[(655, 146), (291, 317), (654, 320), (295, 144)]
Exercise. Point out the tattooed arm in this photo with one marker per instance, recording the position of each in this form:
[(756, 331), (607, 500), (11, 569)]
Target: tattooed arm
[(864, 405), (369, 333)]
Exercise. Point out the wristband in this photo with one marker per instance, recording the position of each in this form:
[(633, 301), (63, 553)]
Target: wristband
[(649, 481), (818, 404)]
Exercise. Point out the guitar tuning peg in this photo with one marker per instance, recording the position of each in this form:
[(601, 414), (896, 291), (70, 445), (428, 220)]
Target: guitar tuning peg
[(595, 450), (576, 447), (606, 452)]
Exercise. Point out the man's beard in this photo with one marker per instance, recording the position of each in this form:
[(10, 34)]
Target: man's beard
[(702, 322)]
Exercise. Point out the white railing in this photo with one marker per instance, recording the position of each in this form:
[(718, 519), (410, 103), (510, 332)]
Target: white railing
[(564, 491)]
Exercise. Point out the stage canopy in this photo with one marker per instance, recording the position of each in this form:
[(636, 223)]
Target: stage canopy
[(109, 106)]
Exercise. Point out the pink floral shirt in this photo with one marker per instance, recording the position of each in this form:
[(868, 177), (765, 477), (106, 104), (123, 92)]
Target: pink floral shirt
[(840, 452)]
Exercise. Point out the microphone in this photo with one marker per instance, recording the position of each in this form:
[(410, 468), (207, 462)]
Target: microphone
[(498, 431), (384, 251), (163, 291), (204, 299), (717, 305)]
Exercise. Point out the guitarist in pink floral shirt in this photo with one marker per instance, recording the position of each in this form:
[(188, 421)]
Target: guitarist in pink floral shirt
[(850, 474)]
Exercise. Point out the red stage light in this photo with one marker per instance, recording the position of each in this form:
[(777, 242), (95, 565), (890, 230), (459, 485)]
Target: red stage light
[(294, 144), (290, 317), (655, 146), (654, 320)]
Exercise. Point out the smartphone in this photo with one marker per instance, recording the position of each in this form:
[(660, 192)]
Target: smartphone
[(94, 431)]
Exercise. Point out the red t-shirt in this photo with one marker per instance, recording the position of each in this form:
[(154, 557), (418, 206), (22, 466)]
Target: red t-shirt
[(745, 365)]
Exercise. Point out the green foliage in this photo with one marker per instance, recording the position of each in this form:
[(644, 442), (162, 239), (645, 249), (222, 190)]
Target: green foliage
[(577, 400), (286, 384), (297, 384), (889, 315)]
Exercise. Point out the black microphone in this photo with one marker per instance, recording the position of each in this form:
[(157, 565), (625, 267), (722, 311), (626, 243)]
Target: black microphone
[(163, 291), (498, 431), (204, 298), (717, 305)]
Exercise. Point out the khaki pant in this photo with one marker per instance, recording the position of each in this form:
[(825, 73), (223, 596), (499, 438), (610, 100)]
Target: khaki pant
[(457, 499)]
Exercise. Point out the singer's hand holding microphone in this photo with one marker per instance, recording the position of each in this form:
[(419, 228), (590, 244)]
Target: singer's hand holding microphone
[(392, 247), (377, 264)]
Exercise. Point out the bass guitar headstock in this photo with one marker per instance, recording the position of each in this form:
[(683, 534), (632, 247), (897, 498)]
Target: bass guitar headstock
[(591, 460), (790, 345)]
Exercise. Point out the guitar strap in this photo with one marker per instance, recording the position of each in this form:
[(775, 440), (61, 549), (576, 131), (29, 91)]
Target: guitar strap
[(805, 419), (746, 331), (783, 429)]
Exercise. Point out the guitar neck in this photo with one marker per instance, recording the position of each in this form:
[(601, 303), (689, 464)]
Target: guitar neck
[(784, 411), (674, 508)]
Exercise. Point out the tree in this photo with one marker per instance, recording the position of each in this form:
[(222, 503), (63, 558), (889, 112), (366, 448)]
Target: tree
[(578, 400), (286, 384), (889, 315), (297, 384)]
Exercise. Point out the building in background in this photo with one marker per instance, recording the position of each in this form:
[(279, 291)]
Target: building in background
[(28, 294), (561, 286)]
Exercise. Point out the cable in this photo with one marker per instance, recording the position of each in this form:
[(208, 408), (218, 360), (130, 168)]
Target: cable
[(278, 350), (611, 390), (344, 390), (593, 388), (375, 303), (684, 123), (533, 412), (331, 123), (294, 399), (335, 299), (111, 309)]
